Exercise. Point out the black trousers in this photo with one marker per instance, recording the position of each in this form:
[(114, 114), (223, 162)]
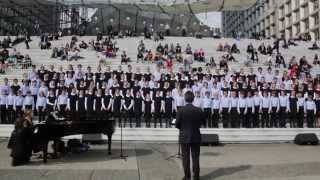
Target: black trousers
[(19, 112), (300, 117), (234, 118), (243, 119), (256, 118), (265, 117), (248, 118), (310, 118), (293, 118), (3, 112), (215, 118), (225, 117), (137, 116), (11, 114), (157, 118), (273, 118), (207, 112), (282, 117), (194, 149), (42, 114), (168, 118)]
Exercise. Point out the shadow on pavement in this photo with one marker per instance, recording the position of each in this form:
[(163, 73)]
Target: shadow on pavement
[(224, 172)]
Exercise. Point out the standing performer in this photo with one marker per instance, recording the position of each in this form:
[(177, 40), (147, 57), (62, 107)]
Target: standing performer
[(207, 108), (225, 106), (147, 109), (317, 102), (256, 116), (311, 110), (98, 105), (51, 102), (284, 109), (127, 107), (41, 106), (18, 104), (273, 110), (215, 110), (10, 107), (265, 110), (28, 103), (62, 103), (234, 118), (89, 104), (157, 101), (107, 104), (117, 106), (137, 108), (81, 106), (72, 104), (293, 106), (300, 113), (168, 103), (242, 110), (3, 107), (189, 121), (250, 110)]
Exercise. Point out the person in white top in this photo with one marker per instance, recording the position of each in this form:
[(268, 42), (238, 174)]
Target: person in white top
[(310, 110), (10, 107), (62, 103), (235, 122), (198, 100), (242, 110), (274, 110), (225, 105), (284, 108), (300, 110), (207, 108), (264, 109), (215, 110), (41, 106), (28, 103)]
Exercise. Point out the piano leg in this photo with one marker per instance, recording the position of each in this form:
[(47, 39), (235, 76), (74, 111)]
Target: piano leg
[(45, 152), (109, 144)]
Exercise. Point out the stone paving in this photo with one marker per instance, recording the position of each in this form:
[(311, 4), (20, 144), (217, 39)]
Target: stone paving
[(148, 161)]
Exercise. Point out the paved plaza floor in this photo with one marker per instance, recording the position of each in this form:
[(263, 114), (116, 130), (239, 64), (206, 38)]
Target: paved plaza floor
[(148, 161)]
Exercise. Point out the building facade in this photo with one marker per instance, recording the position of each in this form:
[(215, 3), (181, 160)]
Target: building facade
[(275, 18)]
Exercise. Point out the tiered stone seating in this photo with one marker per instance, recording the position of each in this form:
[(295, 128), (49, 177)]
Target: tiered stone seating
[(209, 45)]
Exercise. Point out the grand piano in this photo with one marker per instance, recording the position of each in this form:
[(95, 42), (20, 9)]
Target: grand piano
[(56, 127)]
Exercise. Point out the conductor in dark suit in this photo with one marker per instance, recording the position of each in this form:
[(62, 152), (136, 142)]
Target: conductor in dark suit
[(189, 121)]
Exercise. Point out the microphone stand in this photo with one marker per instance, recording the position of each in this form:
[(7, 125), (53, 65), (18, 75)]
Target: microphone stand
[(122, 156), (178, 154)]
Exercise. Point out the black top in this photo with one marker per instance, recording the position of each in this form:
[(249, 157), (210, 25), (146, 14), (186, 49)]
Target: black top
[(189, 120)]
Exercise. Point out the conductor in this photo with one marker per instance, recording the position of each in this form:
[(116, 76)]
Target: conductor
[(189, 121)]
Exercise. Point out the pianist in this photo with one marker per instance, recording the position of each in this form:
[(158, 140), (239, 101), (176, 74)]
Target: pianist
[(20, 142)]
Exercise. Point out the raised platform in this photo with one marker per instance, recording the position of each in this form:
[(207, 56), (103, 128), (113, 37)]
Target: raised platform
[(261, 135)]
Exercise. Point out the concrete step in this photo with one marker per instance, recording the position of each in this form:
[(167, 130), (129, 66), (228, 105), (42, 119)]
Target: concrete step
[(261, 135)]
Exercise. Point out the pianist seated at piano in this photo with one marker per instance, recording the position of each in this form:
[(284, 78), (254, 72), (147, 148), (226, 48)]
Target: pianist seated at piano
[(20, 142)]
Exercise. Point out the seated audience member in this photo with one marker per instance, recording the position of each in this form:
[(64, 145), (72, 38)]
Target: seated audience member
[(141, 47), (262, 49), (314, 46), (83, 45), (250, 49), (149, 56), (234, 49), (73, 54), (188, 49), (226, 47), (280, 60), (178, 49), (211, 63), (220, 47), (20, 142), (124, 58), (316, 60), (140, 56), (292, 43)]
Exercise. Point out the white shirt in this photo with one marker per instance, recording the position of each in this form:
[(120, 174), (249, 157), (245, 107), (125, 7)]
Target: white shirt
[(207, 102), (234, 102), (265, 102), (41, 102), (225, 102), (310, 106), (197, 102), (10, 100), (179, 100), (215, 103), (62, 100), (18, 101), (28, 101)]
